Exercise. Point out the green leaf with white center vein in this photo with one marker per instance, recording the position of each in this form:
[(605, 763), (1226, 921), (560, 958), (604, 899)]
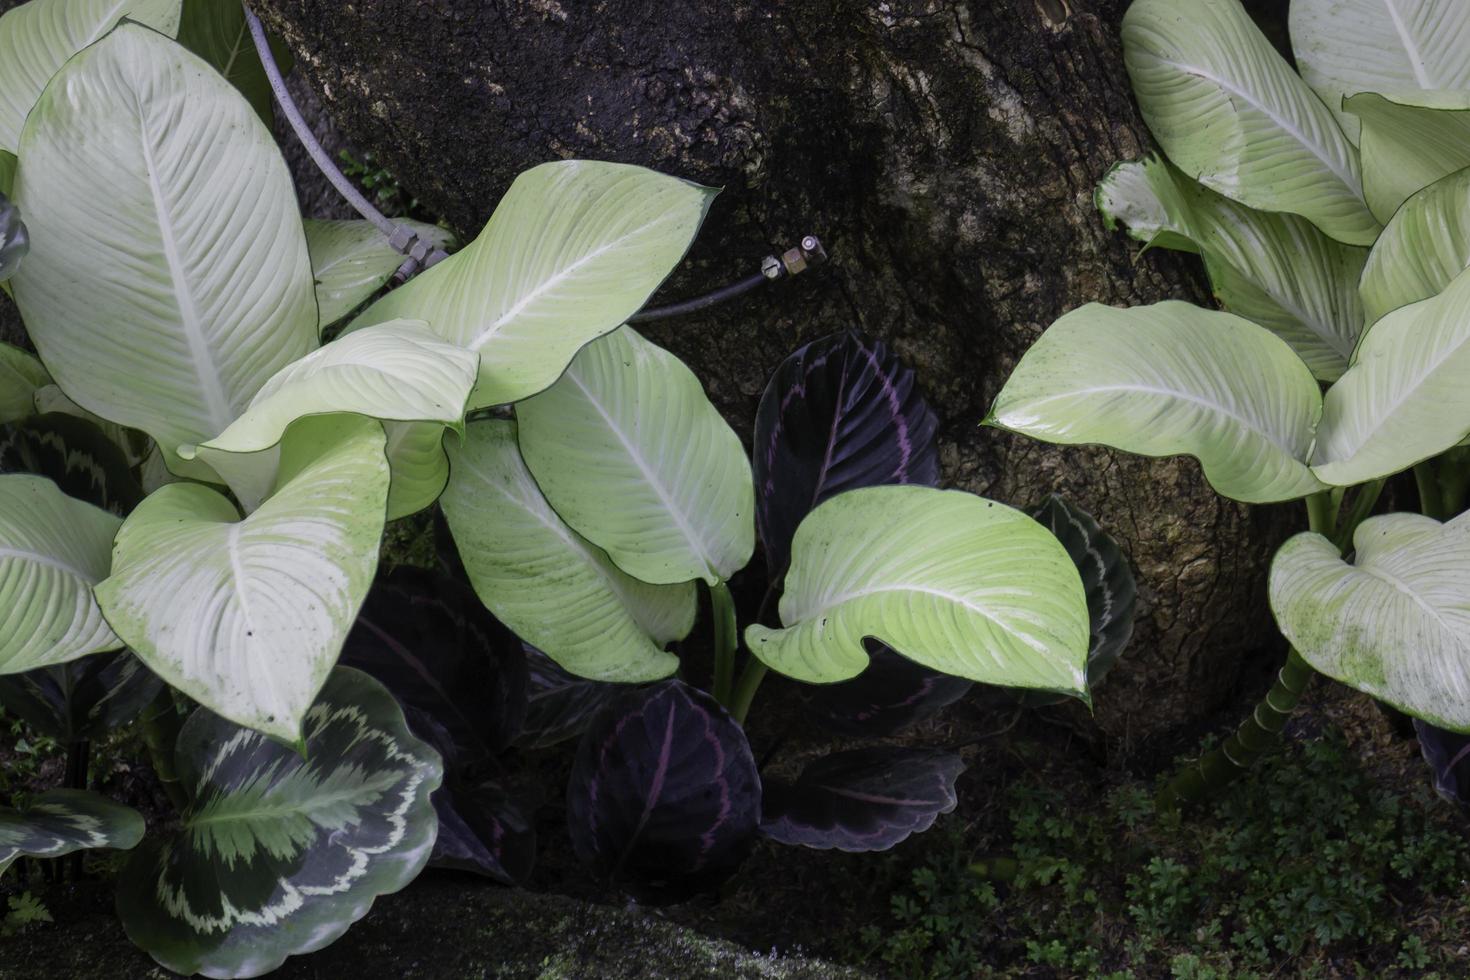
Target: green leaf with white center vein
[(573, 250), (953, 581), (21, 375), (247, 616), (1172, 379), (168, 278), (630, 452), (53, 549), (352, 260), (61, 821), (1422, 249), (1232, 114), (1405, 398), (37, 38), (1344, 47), (555, 589), (1274, 269), (1409, 140), (1396, 624), (278, 853)]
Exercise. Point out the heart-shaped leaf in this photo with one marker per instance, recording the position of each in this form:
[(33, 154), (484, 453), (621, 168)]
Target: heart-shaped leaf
[(21, 374), (352, 260), (559, 705), (574, 249), (61, 821), (955, 582), (247, 616), (862, 800), (1448, 756), (664, 797), (1422, 249), (1230, 112), (631, 454), (1168, 379), (1409, 140), (840, 413), (279, 853), (889, 696), (75, 454), (81, 699), (554, 588), (484, 829)]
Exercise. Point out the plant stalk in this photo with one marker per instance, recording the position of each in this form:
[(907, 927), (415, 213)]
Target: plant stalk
[(750, 682), (1431, 502), (161, 724), (78, 757), (722, 611)]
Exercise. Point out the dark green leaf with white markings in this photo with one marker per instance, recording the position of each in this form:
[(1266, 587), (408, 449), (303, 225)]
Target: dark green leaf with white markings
[(81, 699), (65, 820)]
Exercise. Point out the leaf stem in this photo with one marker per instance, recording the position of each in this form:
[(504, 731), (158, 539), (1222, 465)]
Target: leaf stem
[(722, 612), (1431, 503), (750, 682)]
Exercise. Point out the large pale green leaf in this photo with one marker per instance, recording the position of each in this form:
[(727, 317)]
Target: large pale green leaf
[(1232, 114), (1422, 249), (1409, 140), (61, 821), (950, 580), (21, 375), (1344, 47), (37, 38), (216, 31), (1272, 268), (573, 250), (419, 464), (247, 616), (168, 278), (555, 589), (1168, 379), (278, 853), (352, 260), (633, 456), (1396, 623), (53, 549)]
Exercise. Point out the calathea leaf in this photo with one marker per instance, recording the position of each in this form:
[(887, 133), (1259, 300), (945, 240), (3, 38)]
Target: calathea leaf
[(840, 413), (78, 456), (1422, 249), (134, 445), (216, 31), (953, 581), (21, 374), (559, 705), (1230, 112), (143, 166), (484, 829), (1448, 756), (1409, 140), (862, 800), (279, 853), (53, 549), (61, 821), (15, 238), (1168, 379), (81, 699), (352, 260), (630, 452), (247, 616), (664, 797), (573, 249), (550, 585), (890, 695)]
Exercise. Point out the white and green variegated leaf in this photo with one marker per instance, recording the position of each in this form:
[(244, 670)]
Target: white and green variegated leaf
[(1272, 268), (1230, 112), (247, 616), (1396, 623), (1409, 140), (216, 31), (950, 580), (352, 260), (21, 375), (630, 452), (1405, 398), (53, 549), (279, 853), (554, 588), (61, 821), (573, 249), (168, 278), (1344, 47), (1172, 379), (1422, 249), (50, 399), (419, 464), (37, 38)]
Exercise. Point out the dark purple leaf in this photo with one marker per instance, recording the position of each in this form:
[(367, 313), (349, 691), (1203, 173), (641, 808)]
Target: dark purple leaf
[(664, 797), (431, 642), (81, 699), (560, 705), (862, 800), (1448, 755), (75, 455), (891, 694), (484, 829), (839, 414)]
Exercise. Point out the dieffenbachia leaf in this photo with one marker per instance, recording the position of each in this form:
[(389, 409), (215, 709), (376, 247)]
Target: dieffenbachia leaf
[(53, 549), (1409, 140), (279, 853), (216, 31), (1344, 47), (1272, 268), (631, 454), (554, 588), (890, 695), (484, 829), (1230, 112), (37, 38), (352, 260), (79, 457), (573, 249), (1405, 398), (1168, 379), (81, 699), (142, 166), (559, 705), (247, 616), (1395, 624), (61, 821), (840, 413), (1422, 249), (21, 375), (953, 581), (664, 797), (1448, 756), (863, 799)]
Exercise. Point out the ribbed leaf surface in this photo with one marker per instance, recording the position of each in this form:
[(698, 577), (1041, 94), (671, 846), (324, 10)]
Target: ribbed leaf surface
[(61, 821), (21, 374), (352, 260), (1409, 141), (419, 464), (1422, 249)]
